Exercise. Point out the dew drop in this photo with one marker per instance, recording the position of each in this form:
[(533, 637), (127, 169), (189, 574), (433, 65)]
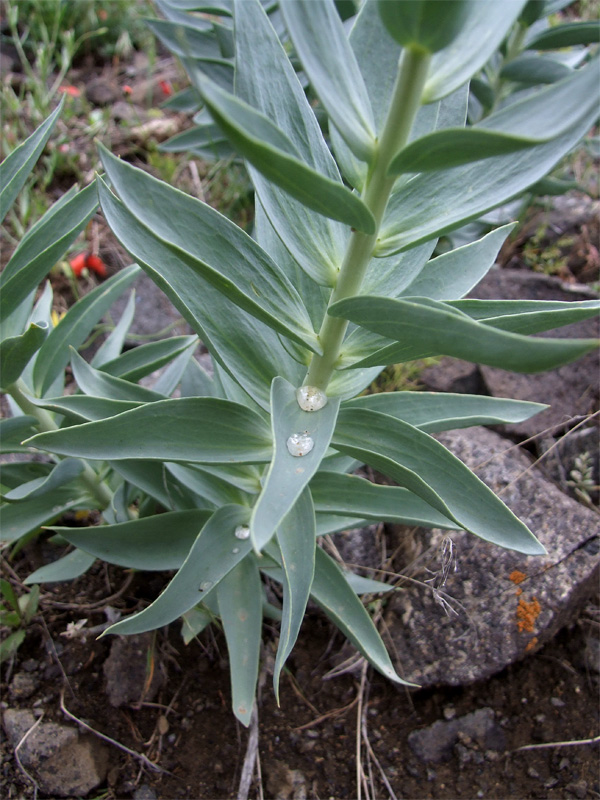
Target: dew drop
[(235, 550), (299, 444), (310, 398), (242, 532), (205, 586)]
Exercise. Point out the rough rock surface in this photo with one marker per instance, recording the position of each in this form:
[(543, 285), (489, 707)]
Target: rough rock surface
[(126, 670), (437, 742), (506, 604), (153, 310), (573, 387), (63, 762)]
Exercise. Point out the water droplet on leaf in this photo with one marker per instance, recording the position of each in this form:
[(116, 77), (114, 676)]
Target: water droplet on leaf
[(299, 444), (235, 550), (310, 398), (205, 586), (242, 532)]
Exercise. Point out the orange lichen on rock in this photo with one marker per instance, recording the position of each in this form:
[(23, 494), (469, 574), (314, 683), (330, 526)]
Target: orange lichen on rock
[(527, 613), (516, 576), (531, 644)]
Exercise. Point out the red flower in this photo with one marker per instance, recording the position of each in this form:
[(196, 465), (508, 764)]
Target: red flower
[(90, 261), (127, 89), (71, 90), (166, 87)]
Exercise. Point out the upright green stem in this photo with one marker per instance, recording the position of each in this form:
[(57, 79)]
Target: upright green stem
[(406, 100), (46, 423)]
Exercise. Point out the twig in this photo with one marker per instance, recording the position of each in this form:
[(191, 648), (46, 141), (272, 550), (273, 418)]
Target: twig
[(573, 743), (18, 759), (361, 692), (140, 756), (251, 757), (336, 712), (89, 606)]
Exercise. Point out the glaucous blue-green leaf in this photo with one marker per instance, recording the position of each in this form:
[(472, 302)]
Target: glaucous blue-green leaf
[(210, 487), (567, 35), (16, 352), (38, 253), (194, 621), (527, 316), (204, 141), (113, 344), (197, 429), (188, 41), (352, 496), (41, 314), (334, 523), (268, 149), (531, 70), (146, 358), (240, 608), (96, 383), (76, 325), (424, 25), (19, 519), (362, 585), (332, 592), (66, 568), (160, 542), (153, 479), (16, 167), (13, 431), (288, 475), (297, 542), (434, 203), (321, 42), (423, 327), (441, 411), (171, 377), (316, 242), (213, 554), (16, 473), (389, 276), (421, 464), (244, 477), (64, 472), (85, 408), (482, 32), (546, 115), (452, 275), (196, 382), (202, 240)]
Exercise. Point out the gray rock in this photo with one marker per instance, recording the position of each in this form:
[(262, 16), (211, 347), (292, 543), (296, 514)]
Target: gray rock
[(506, 604), (560, 457), (145, 792), (125, 670), (101, 92), (437, 742), (63, 762), (23, 685), (453, 375), (153, 310)]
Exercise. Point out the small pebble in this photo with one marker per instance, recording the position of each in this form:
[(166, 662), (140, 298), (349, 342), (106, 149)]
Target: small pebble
[(449, 712), (533, 773), (557, 702), (145, 792)]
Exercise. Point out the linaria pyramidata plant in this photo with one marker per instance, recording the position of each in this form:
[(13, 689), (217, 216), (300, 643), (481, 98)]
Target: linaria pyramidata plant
[(251, 465)]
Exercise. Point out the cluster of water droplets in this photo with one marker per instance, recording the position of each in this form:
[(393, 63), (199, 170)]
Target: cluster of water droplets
[(310, 398)]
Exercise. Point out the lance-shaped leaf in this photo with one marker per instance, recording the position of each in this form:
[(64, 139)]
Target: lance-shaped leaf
[(158, 543), (332, 592), (434, 203), (527, 316), (84, 408), (28, 516), (421, 464), (316, 242), (113, 345), (147, 358), (349, 495), (268, 149), (482, 33), (567, 35), (13, 431), (297, 542), (16, 352), (197, 429), (214, 553), (288, 475), (334, 523), (534, 120), (16, 167), (240, 608), (212, 488), (204, 141), (423, 327), (321, 42), (96, 383), (532, 70), (435, 411), (64, 472), (45, 245), (76, 325), (66, 568), (202, 240)]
